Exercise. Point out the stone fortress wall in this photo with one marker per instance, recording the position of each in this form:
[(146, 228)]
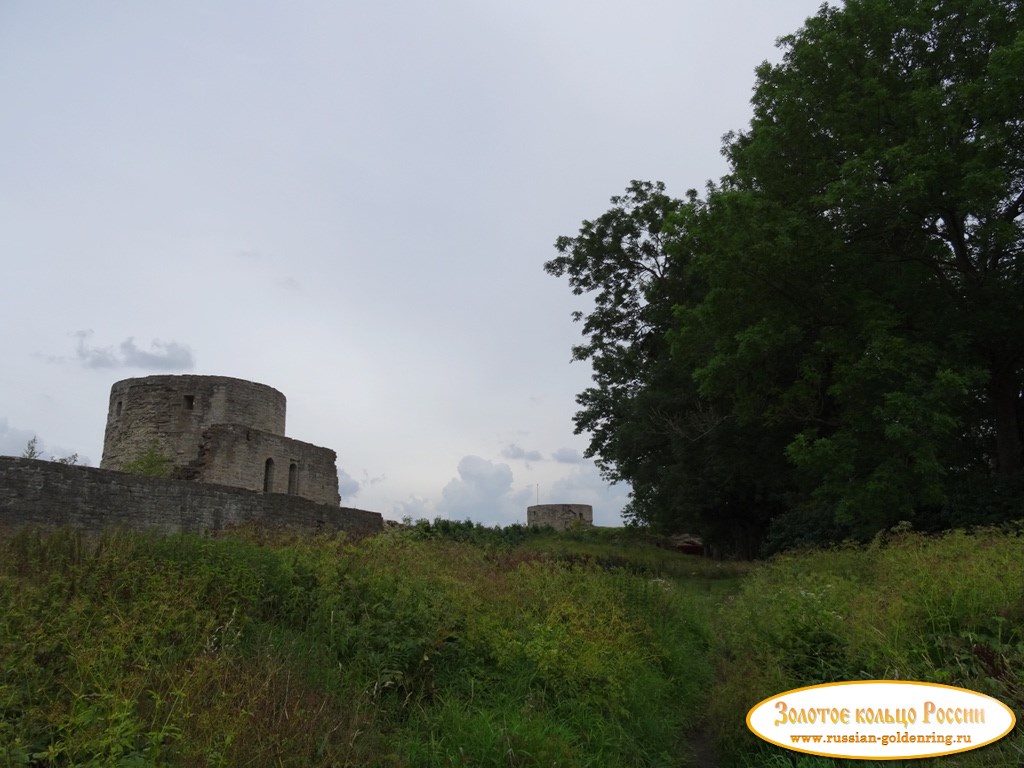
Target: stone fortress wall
[(48, 494), (216, 429)]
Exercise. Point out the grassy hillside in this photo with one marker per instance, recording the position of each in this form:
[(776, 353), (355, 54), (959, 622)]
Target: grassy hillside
[(407, 649), (946, 609), (455, 645)]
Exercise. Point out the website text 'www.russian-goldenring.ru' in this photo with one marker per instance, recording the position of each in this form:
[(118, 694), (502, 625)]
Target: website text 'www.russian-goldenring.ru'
[(884, 739)]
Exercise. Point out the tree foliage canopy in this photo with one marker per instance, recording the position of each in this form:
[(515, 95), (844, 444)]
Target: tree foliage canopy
[(832, 339)]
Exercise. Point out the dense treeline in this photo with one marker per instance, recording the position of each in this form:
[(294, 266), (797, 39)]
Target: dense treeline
[(830, 339)]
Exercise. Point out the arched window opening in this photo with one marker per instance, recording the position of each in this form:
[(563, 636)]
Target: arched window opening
[(117, 414), (268, 476), (293, 479)]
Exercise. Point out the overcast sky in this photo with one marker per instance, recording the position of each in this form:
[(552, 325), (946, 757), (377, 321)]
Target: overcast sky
[(350, 202)]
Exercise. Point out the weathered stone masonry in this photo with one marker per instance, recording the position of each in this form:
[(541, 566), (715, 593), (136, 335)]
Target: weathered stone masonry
[(48, 494), (216, 429), (561, 517)]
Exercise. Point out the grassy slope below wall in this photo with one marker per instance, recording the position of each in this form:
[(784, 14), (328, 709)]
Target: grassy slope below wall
[(401, 650), (453, 645)]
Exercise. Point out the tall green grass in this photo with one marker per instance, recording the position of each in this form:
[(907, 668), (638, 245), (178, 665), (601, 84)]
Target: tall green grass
[(459, 645), (946, 609), (405, 649)]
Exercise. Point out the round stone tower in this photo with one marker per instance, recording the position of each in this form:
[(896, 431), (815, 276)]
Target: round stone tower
[(561, 517), (170, 413)]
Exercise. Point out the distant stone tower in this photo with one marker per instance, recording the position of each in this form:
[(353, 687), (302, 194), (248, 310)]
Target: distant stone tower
[(216, 429), (561, 517)]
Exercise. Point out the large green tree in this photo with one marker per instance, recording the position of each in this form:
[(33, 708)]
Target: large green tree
[(900, 123), (691, 465), (624, 258), (892, 133), (835, 335)]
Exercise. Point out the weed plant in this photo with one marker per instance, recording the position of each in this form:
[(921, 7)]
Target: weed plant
[(944, 609)]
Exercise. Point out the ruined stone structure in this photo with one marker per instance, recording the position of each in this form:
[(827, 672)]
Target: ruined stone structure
[(561, 517), (48, 494), (230, 464), (216, 429)]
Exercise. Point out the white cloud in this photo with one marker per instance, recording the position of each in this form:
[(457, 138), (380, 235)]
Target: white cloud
[(94, 357), (513, 451), (568, 456), (165, 356), (483, 491), (372, 481), (414, 508), (12, 440), (347, 486)]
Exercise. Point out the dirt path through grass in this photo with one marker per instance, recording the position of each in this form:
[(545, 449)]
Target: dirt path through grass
[(702, 745)]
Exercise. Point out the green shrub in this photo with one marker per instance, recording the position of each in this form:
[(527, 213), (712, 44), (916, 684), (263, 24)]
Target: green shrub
[(152, 463)]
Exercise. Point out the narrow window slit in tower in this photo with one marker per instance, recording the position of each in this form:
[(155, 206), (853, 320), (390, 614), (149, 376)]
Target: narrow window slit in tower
[(293, 479), (190, 402), (117, 410)]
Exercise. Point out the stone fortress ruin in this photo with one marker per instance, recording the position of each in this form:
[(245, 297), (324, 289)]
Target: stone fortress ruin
[(187, 454), (199, 454), (215, 429), (561, 517)]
